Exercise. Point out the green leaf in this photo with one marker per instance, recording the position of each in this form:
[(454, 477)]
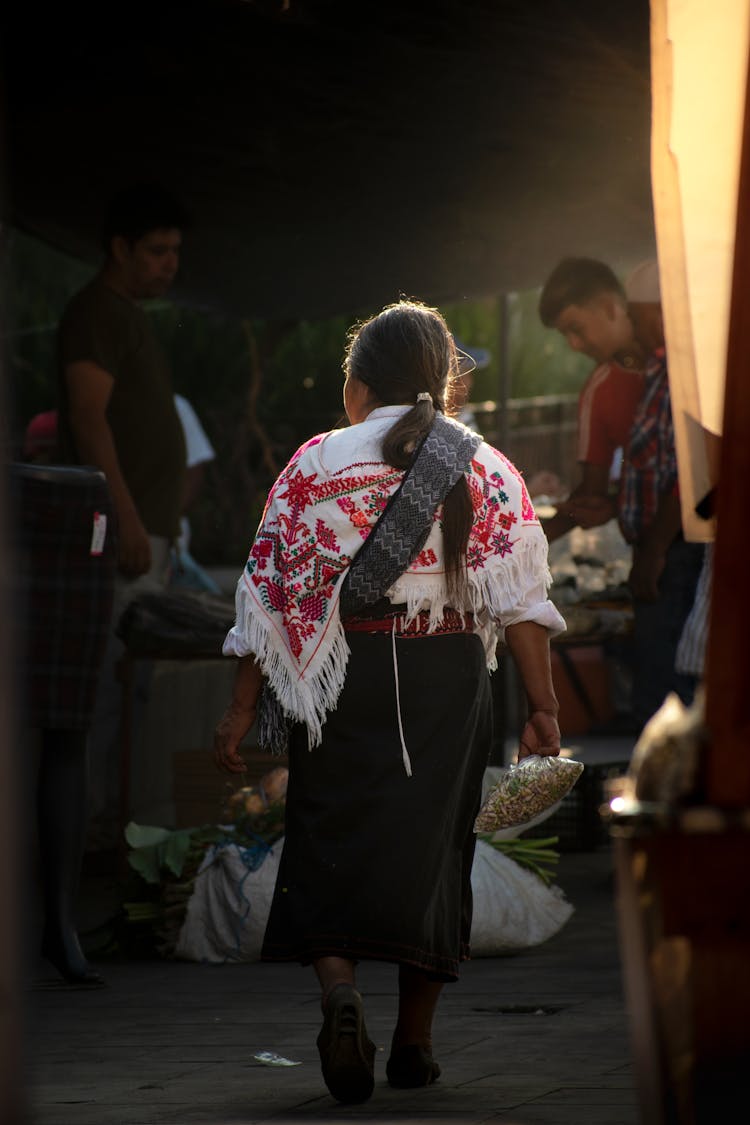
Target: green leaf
[(144, 835), (175, 849), (155, 848)]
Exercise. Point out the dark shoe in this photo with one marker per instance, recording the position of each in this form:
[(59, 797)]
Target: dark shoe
[(411, 1066), (347, 1056)]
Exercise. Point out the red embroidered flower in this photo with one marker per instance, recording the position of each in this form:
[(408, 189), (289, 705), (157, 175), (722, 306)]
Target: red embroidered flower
[(312, 608), (475, 556), (275, 595), (299, 490), (425, 558), (501, 544), (261, 553)]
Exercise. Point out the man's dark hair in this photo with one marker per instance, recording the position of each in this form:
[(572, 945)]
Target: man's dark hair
[(141, 208), (574, 281)]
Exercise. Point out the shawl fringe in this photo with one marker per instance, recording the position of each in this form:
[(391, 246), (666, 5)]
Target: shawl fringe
[(492, 590), (320, 505), (305, 700), (496, 587)]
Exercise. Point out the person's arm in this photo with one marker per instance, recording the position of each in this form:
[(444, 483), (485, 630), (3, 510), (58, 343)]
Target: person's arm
[(649, 553), (589, 504), (238, 717), (529, 646), (89, 391), (592, 506), (559, 524)]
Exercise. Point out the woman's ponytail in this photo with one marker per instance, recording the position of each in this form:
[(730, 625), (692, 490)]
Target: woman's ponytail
[(407, 434), (406, 355)]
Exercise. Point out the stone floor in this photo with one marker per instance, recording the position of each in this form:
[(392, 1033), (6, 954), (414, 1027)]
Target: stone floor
[(537, 1038)]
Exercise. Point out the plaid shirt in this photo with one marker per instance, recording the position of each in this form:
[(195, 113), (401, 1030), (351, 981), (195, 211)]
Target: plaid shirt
[(649, 469)]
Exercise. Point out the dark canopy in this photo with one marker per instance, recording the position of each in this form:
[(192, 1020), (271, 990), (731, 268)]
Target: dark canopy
[(335, 154)]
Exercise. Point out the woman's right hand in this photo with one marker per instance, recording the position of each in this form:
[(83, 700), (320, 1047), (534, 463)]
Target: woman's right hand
[(529, 646), (230, 731), (540, 735)]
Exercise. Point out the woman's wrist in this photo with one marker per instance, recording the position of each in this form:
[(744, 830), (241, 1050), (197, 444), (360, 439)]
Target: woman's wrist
[(545, 705)]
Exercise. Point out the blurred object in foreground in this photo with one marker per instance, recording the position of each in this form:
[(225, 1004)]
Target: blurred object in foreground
[(665, 765)]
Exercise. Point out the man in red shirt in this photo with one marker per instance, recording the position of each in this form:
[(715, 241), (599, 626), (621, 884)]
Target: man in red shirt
[(583, 299)]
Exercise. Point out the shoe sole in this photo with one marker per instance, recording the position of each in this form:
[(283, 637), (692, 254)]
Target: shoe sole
[(347, 1055)]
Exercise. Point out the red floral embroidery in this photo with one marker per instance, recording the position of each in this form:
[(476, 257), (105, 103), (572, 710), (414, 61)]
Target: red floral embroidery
[(326, 536), (298, 557), (299, 491), (528, 515), (493, 520), (425, 558), (308, 561)]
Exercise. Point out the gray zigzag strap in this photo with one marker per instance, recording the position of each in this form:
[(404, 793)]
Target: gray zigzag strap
[(394, 542), (404, 526)]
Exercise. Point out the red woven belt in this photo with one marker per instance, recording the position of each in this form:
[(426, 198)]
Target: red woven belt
[(453, 622)]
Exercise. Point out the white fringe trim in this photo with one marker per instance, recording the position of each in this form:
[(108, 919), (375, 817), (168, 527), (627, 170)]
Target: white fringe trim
[(305, 700), (506, 588), (497, 590)]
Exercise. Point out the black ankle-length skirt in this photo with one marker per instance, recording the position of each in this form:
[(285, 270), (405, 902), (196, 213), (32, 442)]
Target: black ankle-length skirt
[(376, 864)]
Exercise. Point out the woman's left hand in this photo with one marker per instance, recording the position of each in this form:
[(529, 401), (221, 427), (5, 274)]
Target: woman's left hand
[(230, 731), (541, 735), (239, 716)]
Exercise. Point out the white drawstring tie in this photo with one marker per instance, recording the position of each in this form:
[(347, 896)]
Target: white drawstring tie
[(405, 754)]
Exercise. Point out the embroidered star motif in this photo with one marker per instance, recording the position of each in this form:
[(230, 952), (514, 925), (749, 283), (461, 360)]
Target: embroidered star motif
[(299, 490)]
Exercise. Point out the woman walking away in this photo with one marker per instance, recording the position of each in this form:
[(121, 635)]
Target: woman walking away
[(391, 558)]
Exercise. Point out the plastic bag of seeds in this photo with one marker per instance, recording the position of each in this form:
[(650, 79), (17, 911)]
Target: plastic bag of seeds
[(525, 791)]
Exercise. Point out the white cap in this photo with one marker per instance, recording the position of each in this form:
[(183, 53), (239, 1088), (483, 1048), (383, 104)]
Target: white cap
[(642, 285)]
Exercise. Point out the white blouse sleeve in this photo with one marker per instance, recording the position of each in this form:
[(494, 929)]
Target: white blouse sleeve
[(516, 589)]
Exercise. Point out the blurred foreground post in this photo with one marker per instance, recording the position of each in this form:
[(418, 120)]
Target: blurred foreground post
[(683, 865), (12, 898)]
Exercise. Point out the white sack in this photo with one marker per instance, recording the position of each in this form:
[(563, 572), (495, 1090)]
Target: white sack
[(513, 908), (228, 910)]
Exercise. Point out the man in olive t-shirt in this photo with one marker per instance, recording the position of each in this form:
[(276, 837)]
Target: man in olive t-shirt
[(106, 342), (116, 399), (116, 411)]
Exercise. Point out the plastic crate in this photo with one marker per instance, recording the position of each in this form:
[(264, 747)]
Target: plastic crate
[(577, 822)]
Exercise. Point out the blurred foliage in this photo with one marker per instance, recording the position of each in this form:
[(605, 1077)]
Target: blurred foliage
[(260, 388), (540, 361), (38, 281)]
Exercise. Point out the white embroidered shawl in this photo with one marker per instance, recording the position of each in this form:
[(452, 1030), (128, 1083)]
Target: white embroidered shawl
[(319, 512)]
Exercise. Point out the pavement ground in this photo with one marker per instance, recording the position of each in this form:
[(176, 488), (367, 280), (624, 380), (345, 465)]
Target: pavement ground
[(535, 1038)]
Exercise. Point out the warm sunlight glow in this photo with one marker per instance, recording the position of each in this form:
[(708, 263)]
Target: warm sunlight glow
[(710, 40), (699, 65)]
